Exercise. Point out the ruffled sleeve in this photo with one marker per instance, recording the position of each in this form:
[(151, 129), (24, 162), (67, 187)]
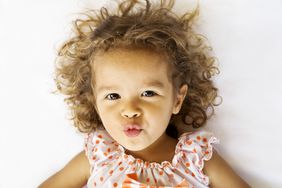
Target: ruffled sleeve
[(89, 147), (196, 148), (100, 149)]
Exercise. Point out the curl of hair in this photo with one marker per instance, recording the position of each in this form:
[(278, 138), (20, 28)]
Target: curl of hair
[(141, 25)]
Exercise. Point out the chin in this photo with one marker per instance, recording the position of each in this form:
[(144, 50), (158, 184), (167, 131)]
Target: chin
[(135, 147)]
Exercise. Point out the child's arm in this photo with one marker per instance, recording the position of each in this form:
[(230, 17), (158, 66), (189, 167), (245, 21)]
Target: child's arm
[(74, 175), (221, 174)]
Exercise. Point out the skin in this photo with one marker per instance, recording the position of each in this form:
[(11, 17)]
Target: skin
[(120, 100), (138, 100)]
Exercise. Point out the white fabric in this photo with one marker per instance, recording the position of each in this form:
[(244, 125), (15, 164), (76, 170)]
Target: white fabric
[(111, 166)]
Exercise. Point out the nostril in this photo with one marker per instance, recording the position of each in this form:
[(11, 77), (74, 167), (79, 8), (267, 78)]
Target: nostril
[(130, 115)]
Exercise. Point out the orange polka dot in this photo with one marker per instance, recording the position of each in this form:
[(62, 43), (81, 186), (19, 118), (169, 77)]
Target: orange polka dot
[(110, 157), (161, 173), (96, 149), (138, 160), (100, 136), (187, 164), (207, 152), (115, 184), (198, 138), (111, 172), (194, 150), (97, 142), (193, 174), (106, 154), (189, 142), (109, 150), (121, 168), (94, 158), (148, 180), (205, 140), (101, 178), (133, 168), (186, 171), (119, 163), (104, 164)]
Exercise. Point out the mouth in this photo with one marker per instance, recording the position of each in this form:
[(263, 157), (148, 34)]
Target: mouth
[(132, 130)]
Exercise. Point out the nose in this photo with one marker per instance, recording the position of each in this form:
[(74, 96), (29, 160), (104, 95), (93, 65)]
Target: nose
[(131, 111), (130, 114)]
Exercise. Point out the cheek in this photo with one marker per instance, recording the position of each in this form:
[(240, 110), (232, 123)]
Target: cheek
[(159, 114), (106, 112)]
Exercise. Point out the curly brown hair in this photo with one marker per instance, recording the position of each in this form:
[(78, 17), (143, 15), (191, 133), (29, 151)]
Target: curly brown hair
[(141, 25)]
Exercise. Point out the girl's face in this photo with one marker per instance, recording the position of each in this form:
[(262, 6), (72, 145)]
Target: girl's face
[(134, 96)]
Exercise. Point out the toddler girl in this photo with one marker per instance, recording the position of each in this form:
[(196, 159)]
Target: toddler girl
[(135, 80)]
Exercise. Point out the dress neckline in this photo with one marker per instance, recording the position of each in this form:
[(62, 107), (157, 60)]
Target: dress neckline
[(146, 164)]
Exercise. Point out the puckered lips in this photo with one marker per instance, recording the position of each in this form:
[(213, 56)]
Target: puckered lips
[(132, 130)]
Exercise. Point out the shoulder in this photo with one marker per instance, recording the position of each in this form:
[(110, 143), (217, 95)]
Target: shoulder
[(94, 141), (221, 174), (195, 148), (199, 143), (74, 174)]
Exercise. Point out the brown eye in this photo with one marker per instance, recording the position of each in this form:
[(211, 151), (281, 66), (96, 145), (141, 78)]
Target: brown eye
[(112, 96), (148, 93)]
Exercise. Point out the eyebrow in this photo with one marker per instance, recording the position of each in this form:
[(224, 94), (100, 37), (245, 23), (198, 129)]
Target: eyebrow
[(154, 83)]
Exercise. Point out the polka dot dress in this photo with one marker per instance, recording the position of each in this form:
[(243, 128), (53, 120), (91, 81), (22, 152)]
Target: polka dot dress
[(112, 167)]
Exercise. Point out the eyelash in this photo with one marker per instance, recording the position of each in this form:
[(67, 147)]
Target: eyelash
[(111, 94), (152, 92), (117, 95)]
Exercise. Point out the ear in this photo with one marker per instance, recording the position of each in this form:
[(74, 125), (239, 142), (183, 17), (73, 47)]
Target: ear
[(180, 96)]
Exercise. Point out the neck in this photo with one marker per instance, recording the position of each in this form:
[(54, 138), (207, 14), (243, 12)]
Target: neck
[(161, 150)]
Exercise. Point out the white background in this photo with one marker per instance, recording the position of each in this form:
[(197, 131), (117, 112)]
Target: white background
[(36, 138)]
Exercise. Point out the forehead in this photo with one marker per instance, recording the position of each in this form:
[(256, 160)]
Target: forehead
[(130, 54), (138, 64)]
